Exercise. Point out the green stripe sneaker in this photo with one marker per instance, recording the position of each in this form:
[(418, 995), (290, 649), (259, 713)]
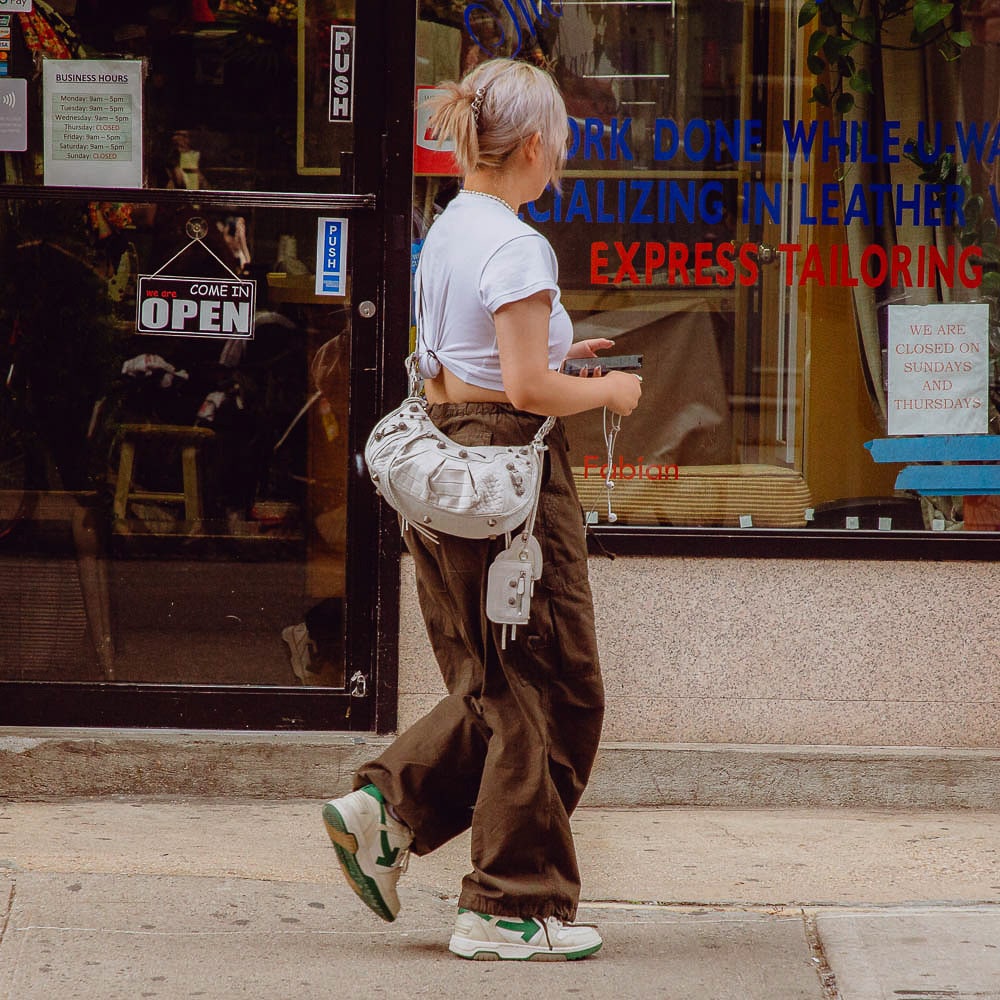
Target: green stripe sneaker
[(488, 938), (373, 848)]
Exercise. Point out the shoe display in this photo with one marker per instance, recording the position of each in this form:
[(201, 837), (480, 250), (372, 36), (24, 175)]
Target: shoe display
[(234, 235), (373, 847), (301, 648), (121, 285), (489, 938)]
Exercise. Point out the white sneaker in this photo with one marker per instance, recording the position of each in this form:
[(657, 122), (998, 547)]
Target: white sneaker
[(489, 938), (373, 848)]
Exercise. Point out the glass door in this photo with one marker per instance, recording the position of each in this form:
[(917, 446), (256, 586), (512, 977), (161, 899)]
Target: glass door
[(194, 210)]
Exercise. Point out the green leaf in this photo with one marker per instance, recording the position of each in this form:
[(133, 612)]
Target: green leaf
[(945, 166), (829, 16), (974, 209), (968, 237), (821, 95), (834, 47), (844, 7), (816, 41), (949, 51), (991, 284), (864, 29), (930, 166), (927, 13), (963, 39), (844, 104), (816, 64), (809, 10), (862, 82), (990, 231), (991, 252)]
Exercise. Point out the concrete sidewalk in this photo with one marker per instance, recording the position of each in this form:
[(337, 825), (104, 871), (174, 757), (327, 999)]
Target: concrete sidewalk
[(129, 898)]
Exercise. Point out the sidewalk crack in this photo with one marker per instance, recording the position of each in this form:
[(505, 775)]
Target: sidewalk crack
[(827, 978), (9, 910)]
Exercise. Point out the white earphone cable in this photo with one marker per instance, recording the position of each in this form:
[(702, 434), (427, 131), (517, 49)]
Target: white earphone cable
[(611, 431)]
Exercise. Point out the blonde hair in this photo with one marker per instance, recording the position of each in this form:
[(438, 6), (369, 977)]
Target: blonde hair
[(494, 108)]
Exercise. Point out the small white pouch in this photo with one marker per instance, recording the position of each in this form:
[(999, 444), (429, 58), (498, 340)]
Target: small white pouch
[(511, 584)]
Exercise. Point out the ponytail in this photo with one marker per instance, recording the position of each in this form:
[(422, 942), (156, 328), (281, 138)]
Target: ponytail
[(452, 118), (494, 109)]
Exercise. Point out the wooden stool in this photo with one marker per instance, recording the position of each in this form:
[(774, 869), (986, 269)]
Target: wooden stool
[(190, 440)]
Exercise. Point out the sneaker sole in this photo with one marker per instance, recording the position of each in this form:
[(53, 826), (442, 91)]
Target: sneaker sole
[(346, 845), (494, 951)]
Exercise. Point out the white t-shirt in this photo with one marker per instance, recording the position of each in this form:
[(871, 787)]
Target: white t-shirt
[(479, 256)]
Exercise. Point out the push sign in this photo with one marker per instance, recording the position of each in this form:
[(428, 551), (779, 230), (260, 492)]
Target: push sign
[(21, 6), (196, 307), (342, 73), (331, 257)]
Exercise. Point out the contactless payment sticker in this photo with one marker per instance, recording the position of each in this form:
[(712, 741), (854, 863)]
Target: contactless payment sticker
[(13, 115)]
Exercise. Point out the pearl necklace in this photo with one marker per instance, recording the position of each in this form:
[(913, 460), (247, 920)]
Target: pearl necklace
[(492, 197)]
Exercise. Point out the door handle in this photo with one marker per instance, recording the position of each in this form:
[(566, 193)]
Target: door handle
[(767, 254)]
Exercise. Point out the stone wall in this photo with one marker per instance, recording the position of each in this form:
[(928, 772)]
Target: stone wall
[(782, 651)]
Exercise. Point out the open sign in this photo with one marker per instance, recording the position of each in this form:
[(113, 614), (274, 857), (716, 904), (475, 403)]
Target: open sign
[(196, 307)]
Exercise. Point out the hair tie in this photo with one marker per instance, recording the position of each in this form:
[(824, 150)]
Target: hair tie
[(477, 104)]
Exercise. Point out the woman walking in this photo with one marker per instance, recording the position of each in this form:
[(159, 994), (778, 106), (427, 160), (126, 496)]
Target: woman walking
[(510, 748)]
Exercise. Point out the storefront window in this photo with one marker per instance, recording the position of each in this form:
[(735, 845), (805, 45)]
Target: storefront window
[(174, 394), (749, 205), (198, 82)]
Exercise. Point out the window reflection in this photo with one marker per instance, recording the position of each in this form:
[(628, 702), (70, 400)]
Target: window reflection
[(682, 214), (173, 505)]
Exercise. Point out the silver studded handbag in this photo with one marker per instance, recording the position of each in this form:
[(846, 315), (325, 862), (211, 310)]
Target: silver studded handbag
[(437, 485)]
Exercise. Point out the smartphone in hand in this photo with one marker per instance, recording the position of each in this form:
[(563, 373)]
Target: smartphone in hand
[(614, 363)]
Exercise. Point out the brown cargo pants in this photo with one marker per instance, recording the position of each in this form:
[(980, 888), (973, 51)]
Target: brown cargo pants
[(509, 750)]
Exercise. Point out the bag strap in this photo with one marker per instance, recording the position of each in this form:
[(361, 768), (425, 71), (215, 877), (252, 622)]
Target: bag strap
[(542, 432), (413, 378), (420, 338)]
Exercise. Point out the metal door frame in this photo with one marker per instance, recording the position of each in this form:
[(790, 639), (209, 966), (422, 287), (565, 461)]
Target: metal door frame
[(380, 228)]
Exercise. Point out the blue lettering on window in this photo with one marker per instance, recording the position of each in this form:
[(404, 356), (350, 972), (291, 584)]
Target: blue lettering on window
[(489, 30), (600, 140)]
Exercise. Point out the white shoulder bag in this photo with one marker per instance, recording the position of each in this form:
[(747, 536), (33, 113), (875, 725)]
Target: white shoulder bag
[(437, 485)]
